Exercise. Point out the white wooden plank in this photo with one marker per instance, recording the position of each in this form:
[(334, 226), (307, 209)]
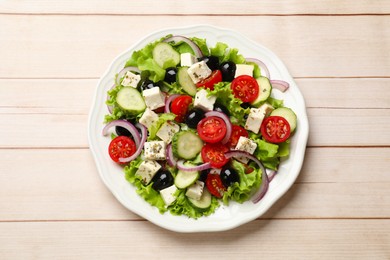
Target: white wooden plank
[(196, 7), (309, 45), (65, 185), (276, 239)]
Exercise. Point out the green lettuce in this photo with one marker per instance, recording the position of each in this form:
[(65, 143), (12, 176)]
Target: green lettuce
[(162, 118), (226, 98), (242, 190), (224, 53)]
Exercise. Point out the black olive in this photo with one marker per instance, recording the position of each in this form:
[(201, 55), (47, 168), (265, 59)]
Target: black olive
[(148, 84), (163, 179), (170, 75), (245, 105), (211, 61), (229, 176), (203, 175), (193, 117), (228, 70), (122, 131), (221, 108)]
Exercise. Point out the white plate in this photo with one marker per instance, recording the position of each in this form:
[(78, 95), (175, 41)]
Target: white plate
[(226, 217)]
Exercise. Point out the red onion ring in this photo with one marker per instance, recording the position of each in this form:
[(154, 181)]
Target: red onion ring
[(177, 38), (264, 177), (226, 119), (123, 72), (128, 126), (170, 157), (280, 85), (144, 134), (110, 108), (271, 175), (261, 65), (180, 165), (168, 102)]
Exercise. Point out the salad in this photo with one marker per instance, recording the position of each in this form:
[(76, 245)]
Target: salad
[(195, 126)]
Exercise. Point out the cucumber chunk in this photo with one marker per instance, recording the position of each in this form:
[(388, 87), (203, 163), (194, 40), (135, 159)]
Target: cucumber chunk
[(265, 89), (185, 81), (287, 114), (165, 56), (185, 179), (186, 145), (131, 100), (204, 202)]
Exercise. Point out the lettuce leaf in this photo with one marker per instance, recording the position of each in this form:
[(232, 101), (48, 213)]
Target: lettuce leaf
[(226, 98), (145, 191), (224, 53), (242, 190), (162, 118)]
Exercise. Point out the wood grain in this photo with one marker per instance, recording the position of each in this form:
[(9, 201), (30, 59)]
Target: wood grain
[(276, 239), (172, 7), (310, 46)]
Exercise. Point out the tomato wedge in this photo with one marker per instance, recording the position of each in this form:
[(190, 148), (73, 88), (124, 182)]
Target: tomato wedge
[(211, 129), (245, 87), (214, 78), (121, 147), (237, 131), (214, 185), (275, 129), (179, 107), (214, 154)]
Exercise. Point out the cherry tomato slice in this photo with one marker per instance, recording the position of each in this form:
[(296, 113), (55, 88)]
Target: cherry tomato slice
[(179, 107), (211, 129), (121, 147), (275, 129), (245, 87), (214, 185), (214, 154), (214, 78), (237, 131)]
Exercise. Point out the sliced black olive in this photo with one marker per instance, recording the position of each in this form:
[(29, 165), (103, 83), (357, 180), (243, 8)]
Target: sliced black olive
[(245, 105), (193, 117), (203, 175), (163, 179), (211, 61), (122, 131), (221, 108), (228, 70), (170, 75), (148, 84), (229, 176)]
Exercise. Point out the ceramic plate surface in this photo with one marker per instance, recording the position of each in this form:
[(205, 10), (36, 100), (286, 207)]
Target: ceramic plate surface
[(226, 217)]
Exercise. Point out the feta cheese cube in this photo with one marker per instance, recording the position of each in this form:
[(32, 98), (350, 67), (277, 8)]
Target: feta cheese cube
[(195, 190), (147, 170), (155, 150), (199, 71), (187, 59), (130, 79), (148, 118), (246, 145), (204, 102), (244, 69), (167, 194), (167, 131), (266, 108), (254, 120), (154, 98)]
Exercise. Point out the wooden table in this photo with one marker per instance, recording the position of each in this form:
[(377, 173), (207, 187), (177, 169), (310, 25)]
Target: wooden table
[(53, 204)]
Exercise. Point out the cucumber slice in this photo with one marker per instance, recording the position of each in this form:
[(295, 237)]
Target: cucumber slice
[(204, 202), (165, 56), (131, 100), (265, 88), (287, 114), (185, 179), (185, 81), (186, 145)]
